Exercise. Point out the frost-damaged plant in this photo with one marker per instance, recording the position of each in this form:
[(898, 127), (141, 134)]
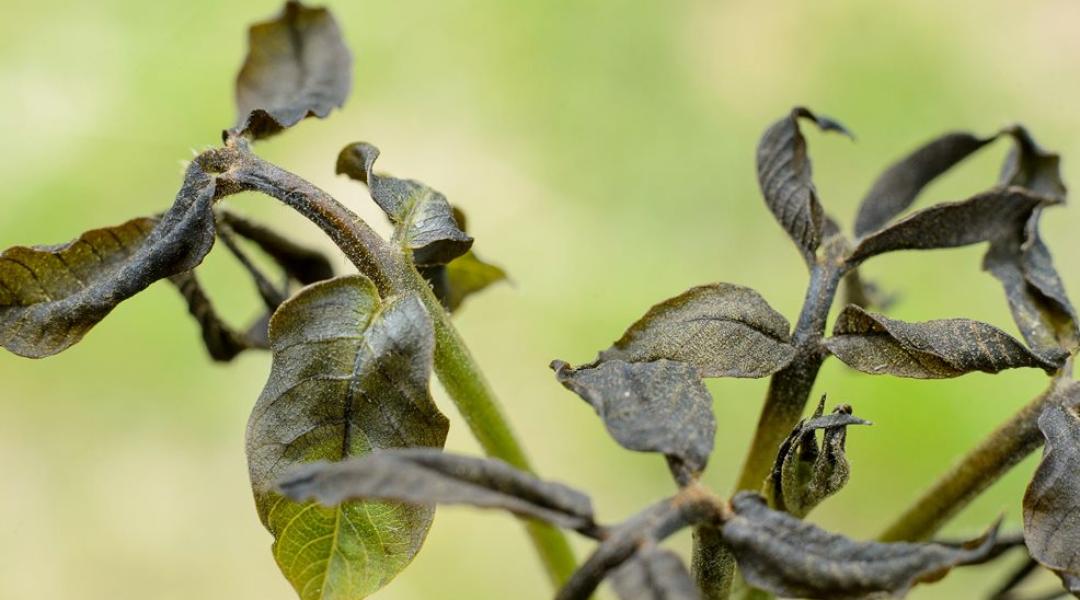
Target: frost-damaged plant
[(344, 442)]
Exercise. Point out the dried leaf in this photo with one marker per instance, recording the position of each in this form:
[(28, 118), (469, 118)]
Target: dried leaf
[(659, 406), (305, 265), (423, 220), (788, 557), (297, 66), (896, 189), (1052, 501), (1029, 166), (428, 476), (722, 329), (784, 175), (804, 475), (654, 574), (865, 294), (51, 296), (221, 341), (929, 350), (349, 376)]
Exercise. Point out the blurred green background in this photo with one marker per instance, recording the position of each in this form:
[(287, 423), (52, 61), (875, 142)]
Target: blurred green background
[(604, 152)]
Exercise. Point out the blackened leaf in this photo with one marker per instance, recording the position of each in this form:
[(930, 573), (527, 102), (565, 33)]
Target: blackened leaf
[(349, 376), (463, 277), (654, 574), (297, 66), (659, 406), (788, 557), (896, 189), (784, 175), (1030, 167), (429, 476), (985, 217), (929, 350), (805, 474), (423, 220), (722, 329), (50, 296), (1052, 501), (222, 341), (305, 265)]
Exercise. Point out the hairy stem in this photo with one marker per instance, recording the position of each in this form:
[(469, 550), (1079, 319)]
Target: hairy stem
[(712, 563)]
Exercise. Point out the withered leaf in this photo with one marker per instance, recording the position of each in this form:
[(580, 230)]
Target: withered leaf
[(1052, 501), (658, 406), (896, 189), (51, 296), (429, 476), (222, 342), (1029, 166), (788, 557), (786, 181), (297, 66), (724, 330), (423, 219), (305, 265), (929, 350), (349, 376), (805, 474), (654, 574), (865, 294)]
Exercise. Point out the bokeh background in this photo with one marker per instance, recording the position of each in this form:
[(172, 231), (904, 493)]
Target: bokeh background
[(604, 152)]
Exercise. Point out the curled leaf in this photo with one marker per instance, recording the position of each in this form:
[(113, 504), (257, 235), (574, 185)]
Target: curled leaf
[(786, 181), (788, 557), (804, 475), (724, 330), (429, 476), (297, 66), (654, 574), (462, 277), (1029, 166), (1052, 501), (929, 350), (222, 342), (305, 265), (51, 296), (349, 376), (896, 189), (423, 220), (659, 406)]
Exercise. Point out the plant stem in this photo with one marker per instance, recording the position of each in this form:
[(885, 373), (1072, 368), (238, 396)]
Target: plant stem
[(712, 563)]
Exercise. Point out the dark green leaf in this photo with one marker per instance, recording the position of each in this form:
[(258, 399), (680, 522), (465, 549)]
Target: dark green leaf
[(1052, 501), (929, 350), (305, 265), (1030, 167), (463, 277), (659, 406), (654, 574), (297, 66), (784, 175), (428, 476), (804, 475), (50, 296), (423, 220), (722, 329), (349, 376), (896, 189), (788, 557)]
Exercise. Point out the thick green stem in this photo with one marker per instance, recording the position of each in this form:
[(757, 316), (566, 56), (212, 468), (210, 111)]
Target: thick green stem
[(712, 563)]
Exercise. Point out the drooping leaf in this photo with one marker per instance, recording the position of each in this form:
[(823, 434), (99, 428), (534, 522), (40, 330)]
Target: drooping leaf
[(222, 342), (305, 265), (929, 350), (462, 277), (722, 329), (654, 574), (659, 406), (786, 181), (1052, 501), (1029, 166), (423, 219), (788, 557), (51, 296), (804, 475), (297, 66), (349, 376), (896, 189), (982, 218), (429, 476)]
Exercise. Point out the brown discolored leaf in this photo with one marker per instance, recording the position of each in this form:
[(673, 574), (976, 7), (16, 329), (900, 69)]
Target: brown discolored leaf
[(723, 330), (929, 350), (654, 574), (1029, 166), (349, 376), (462, 277), (659, 406), (297, 66), (865, 294), (222, 342), (896, 189), (788, 557), (302, 264), (786, 181), (805, 474), (1052, 501), (429, 476), (51, 296), (423, 220)]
